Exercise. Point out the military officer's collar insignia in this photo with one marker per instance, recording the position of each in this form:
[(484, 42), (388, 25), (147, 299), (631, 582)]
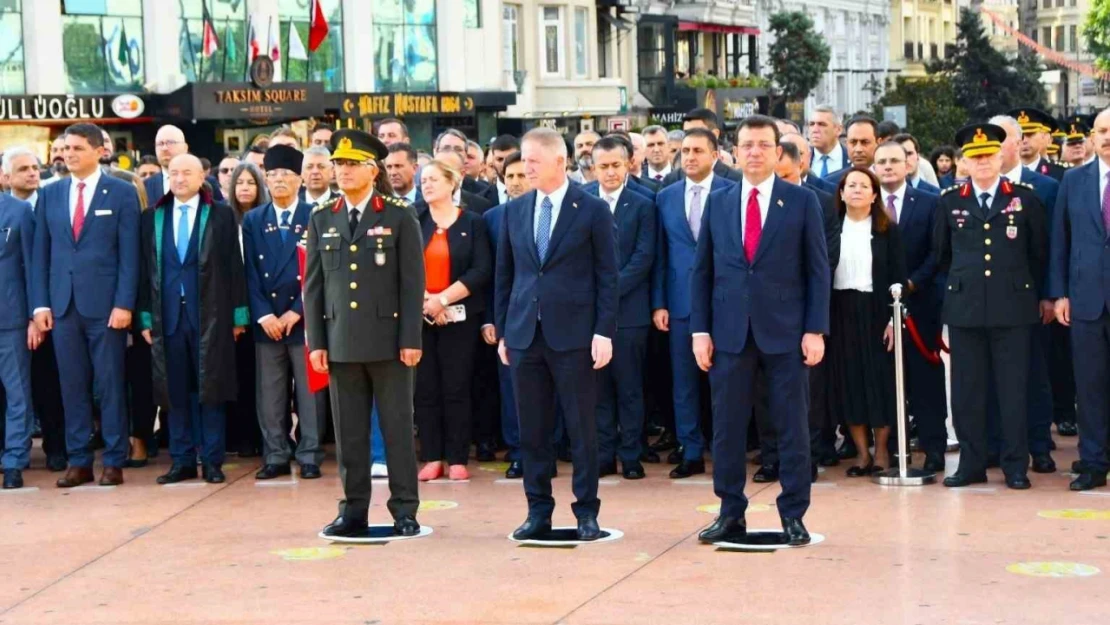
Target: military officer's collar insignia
[(325, 205), (965, 190), (338, 204), (1007, 188), (377, 202)]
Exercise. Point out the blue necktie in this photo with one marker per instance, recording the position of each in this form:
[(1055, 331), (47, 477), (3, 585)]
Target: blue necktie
[(284, 229), (183, 234), (824, 165), (543, 230)]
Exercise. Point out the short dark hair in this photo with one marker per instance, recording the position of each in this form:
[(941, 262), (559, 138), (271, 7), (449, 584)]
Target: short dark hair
[(891, 143), (863, 119), (878, 214), (903, 137), (90, 132), (611, 142), (450, 132), (790, 151), (702, 115), (503, 143), (254, 149), (205, 163), (148, 159), (756, 122), (404, 147), (887, 128), (790, 122), (511, 159), (704, 134), (392, 120)]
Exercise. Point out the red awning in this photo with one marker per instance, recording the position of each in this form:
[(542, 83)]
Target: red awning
[(717, 28)]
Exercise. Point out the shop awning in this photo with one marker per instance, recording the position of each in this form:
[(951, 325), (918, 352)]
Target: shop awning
[(684, 26), (616, 22)]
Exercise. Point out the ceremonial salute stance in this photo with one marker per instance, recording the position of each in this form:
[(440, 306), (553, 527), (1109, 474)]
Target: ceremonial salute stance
[(86, 277), (363, 303), (991, 242), (556, 315), (760, 293), (18, 334), (1079, 278), (192, 308)]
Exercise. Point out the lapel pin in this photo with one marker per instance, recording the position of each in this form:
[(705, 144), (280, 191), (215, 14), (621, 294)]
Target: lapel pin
[(463, 234), (779, 202)]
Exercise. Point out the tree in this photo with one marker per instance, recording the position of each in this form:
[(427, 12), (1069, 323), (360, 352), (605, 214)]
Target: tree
[(985, 81), (1096, 31), (931, 109), (799, 56)]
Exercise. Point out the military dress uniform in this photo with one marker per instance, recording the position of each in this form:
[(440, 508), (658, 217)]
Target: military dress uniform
[(994, 256), (363, 298), (1033, 121)]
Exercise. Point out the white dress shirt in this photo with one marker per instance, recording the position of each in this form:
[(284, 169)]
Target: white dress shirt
[(279, 212), (165, 182), (324, 197), (652, 174), (611, 198), (836, 160), (764, 200), (190, 216), (853, 272), (1103, 169), (90, 189), (1014, 175), (706, 186), (556, 207), (1035, 166), (899, 201), (992, 191), (31, 199), (410, 197), (361, 206), (502, 193)]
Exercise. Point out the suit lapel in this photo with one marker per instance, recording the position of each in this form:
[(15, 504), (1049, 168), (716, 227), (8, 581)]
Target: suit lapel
[(909, 202), (528, 220), (270, 231), (567, 214), (1096, 201), (93, 202), (776, 214)]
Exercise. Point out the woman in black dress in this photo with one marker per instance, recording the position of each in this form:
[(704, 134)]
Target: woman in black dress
[(861, 367)]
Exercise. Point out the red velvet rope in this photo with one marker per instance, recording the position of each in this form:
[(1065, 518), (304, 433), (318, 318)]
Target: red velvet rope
[(931, 356)]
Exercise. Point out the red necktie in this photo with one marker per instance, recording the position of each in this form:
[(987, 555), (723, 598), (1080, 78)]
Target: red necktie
[(753, 227), (79, 212)]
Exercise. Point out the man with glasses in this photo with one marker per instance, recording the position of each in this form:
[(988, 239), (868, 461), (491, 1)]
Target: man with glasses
[(168, 143), (318, 174), (452, 140), (223, 174)]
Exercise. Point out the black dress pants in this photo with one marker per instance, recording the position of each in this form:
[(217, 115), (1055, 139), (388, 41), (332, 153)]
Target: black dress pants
[(442, 405)]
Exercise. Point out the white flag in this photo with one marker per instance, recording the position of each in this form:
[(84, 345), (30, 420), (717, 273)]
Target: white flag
[(296, 46), (275, 47)]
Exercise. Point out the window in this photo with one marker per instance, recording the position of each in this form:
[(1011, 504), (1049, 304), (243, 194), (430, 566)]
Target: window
[(605, 38), (102, 46), (473, 10), (1073, 38), (1060, 39), (1059, 3), (12, 75), (510, 40), (654, 55), (1033, 34), (581, 51), (405, 45), (551, 29), (229, 63), (1047, 42), (1047, 4), (326, 63)]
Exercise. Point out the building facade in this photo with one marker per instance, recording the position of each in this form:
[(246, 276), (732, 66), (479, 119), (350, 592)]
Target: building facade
[(921, 31), (1059, 27)]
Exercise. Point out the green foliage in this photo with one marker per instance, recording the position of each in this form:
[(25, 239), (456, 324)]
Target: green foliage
[(1096, 32), (799, 57), (931, 109)]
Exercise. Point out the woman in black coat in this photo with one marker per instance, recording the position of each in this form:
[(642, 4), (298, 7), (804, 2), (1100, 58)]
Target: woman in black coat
[(861, 367)]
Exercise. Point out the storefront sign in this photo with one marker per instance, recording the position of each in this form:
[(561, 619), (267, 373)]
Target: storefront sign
[(285, 100), (46, 108), (379, 105), (666, 117)]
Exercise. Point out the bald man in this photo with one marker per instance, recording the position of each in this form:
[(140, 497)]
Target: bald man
[(196, 314), (169, 143)]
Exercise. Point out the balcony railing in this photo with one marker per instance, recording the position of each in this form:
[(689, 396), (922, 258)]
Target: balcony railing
[(908, 50)]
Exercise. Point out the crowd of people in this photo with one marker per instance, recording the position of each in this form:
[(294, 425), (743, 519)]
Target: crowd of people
[(605, 301)]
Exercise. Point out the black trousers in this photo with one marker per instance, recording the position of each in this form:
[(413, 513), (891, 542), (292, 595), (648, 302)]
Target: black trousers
[(242, 415), (620, 398), (46, 395), (658, 383), (1061, 373), (543, 377), (1005, 351), (822, 427), (926, 390), (443, 384), (141, 386), (485, 391)]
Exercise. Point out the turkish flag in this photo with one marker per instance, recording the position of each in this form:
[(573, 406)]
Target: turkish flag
[(318, 28), (316, 381)]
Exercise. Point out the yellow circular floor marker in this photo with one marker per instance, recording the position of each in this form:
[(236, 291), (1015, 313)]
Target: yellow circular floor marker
[(496, 467), (306, 554), (231, 466), (1053, 569), (431, 506), (1076, 514)]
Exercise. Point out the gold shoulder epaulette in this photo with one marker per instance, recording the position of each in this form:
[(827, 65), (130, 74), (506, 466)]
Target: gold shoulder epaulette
[(950, 189), (394, 200), (1026, 185), (330, 203), (1065, 164)]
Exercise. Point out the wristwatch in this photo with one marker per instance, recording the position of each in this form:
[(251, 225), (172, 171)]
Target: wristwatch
[(443, 301)]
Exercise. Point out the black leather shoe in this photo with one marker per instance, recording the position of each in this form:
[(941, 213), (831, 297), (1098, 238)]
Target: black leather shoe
[(515, 470), (957, 480), (653, 430), (56, 463), (485, 453), (310, 472), (346, 527), (13, 478), (1018, 482), (1087, 481), (1067, 428), (213, 474), (588, 529), (795, 531), (676, 456), (1043, 463), (688, 468), (532, 528), (406, 526), (934, 462), (178, 473), (766, 474), (724, 529), (757, 460), (858, 471), (666, 442), (1077, 466), (606, 468), (994, 461), (650, 457), (270, 471), (633, 471)]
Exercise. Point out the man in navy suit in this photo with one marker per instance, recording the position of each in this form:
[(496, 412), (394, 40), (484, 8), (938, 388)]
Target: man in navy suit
[(913, 161), (86, 277), (915, 213), (18, 335), (828, 155), (760, 295), (862, 138), (556, 316), (169, 143), (620, 406), (680, 208), (270, 236), (702, 119), (1079, 279)]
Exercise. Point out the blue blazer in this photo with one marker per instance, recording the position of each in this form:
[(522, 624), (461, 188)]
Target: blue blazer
[(782, 294), (1079, 260), (273, 273), (17, 241), (493, 229), (636, 236), (916, 223), (815, 163), (594, 188), (574, 288), (814, 181), (1046, 189), (925, 187), (98, 272), (675, 250)]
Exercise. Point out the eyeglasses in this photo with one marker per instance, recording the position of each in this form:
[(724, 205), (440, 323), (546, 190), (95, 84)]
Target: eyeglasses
[(763, 146), (275, 174), (167, 143), (226, 170)]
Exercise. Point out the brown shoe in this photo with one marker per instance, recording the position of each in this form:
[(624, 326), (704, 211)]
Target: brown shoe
[(76, 476), (113, 476)]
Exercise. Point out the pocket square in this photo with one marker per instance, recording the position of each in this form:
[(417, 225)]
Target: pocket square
[(102, 213)]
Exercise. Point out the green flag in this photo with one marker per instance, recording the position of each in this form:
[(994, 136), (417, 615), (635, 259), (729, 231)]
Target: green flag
[(124, 56)]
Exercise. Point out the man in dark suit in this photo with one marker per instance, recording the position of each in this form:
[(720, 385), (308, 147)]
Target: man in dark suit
[(556, 316), (828, 155), (86, 278), (454, 141), (760, 294), (620, 406), (657, 156), (915, 213), (680, 208), (862, 139), (990, 302), (169, 142), (18, 335), (500, 149), (1079, 281), (1037, 127), (913, 159), (704, 119)]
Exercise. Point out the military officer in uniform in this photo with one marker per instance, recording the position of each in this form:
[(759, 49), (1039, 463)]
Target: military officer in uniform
[(1037, 128), (363, 303), (991, 241), (1075, 142)]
